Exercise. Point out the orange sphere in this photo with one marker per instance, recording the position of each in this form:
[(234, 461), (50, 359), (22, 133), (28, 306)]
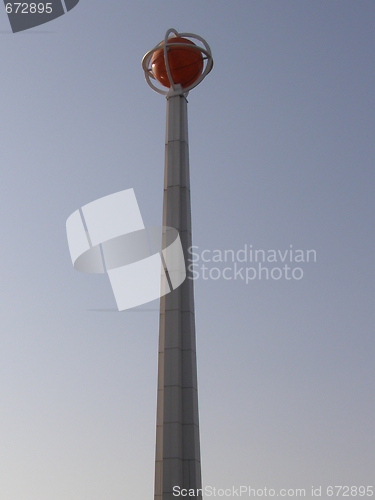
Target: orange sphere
[(185, 64)]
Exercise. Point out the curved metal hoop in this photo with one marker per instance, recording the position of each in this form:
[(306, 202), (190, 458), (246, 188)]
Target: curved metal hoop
[(176, 88)]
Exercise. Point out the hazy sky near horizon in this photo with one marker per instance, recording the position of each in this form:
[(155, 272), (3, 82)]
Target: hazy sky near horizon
[(281, 153)]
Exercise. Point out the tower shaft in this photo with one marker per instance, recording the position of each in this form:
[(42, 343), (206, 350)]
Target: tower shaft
[(177, 462)]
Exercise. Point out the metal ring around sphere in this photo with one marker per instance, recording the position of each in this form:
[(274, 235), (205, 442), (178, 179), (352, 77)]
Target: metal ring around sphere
[(177, 89)]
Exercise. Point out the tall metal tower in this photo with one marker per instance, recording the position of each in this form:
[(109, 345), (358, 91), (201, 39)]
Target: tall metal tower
[(179, 64)]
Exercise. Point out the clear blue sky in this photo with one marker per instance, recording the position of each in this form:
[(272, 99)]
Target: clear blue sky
[(281, 153)]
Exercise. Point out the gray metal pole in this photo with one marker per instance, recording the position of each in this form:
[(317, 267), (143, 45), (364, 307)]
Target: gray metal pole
[(177, 462)]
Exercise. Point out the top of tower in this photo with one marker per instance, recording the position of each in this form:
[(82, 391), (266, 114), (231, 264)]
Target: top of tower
[(177, 63)]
